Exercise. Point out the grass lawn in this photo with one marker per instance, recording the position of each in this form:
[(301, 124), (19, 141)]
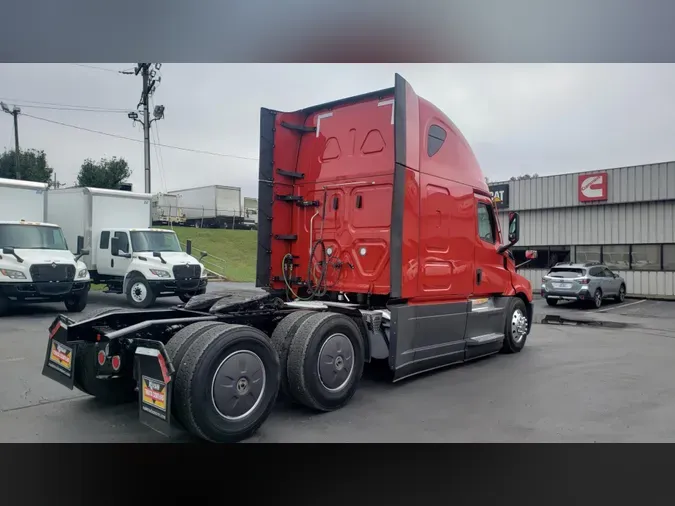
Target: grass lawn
[(235, 251)]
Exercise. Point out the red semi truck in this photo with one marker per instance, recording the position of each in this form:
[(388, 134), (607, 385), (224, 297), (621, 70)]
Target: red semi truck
[(377, 240)]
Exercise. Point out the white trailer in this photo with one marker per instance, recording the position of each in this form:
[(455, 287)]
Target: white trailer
[(112, 228), (213, 206), (35, 263), (22, 200), (166, 209)]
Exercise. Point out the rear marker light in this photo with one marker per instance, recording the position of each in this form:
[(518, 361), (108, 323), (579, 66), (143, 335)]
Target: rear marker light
[(101, 357), (116, 363)]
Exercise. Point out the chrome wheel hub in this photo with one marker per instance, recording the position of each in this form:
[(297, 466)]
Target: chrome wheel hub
[(518, 325)]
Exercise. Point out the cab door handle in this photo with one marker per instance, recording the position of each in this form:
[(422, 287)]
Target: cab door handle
[(479, 276)]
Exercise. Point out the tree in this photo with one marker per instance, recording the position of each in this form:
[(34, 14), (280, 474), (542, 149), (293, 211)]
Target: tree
[(34, 166), (524, 176), (108, 173)]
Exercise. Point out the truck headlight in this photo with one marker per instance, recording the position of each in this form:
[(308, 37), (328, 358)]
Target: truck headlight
[(12, 274), (160, 273), (82, 273)]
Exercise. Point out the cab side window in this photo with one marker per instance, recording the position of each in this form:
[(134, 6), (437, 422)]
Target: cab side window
[(486, 223), (123, 241)]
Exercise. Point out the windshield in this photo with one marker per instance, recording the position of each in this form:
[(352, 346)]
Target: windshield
[(155, 241), (32, 237), (566, 272)]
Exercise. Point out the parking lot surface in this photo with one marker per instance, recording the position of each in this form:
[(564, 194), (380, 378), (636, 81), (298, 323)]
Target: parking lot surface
[(570, 383)]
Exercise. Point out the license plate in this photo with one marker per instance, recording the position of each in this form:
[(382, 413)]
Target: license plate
[(61, 358), (562, 285)]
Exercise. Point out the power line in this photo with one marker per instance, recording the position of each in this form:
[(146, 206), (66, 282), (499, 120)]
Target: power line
[(168, 146), (92, 107), (76, 109), (98, 68)]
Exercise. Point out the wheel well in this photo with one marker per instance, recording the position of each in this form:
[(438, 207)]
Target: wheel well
[(129, 276), (529, 308)]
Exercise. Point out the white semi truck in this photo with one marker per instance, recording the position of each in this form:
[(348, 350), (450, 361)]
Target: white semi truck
[(212, 206), (250, 213), (122, 251), (35, 262), (166, 209)]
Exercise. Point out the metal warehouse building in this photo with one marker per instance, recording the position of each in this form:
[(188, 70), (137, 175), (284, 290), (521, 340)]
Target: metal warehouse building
[(624, 217)]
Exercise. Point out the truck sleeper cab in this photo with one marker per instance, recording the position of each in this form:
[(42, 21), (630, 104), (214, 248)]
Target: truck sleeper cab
[(377, 241)]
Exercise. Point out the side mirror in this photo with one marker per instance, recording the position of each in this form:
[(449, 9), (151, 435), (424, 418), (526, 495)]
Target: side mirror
[(81, 253), (204, 254), (156, 254), (531, 254), (188, 247), (80, 244), (514, 228), (115, 246), (8, 250)]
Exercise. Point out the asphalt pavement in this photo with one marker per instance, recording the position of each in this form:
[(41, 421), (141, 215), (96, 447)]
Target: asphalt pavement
[(570, 383)]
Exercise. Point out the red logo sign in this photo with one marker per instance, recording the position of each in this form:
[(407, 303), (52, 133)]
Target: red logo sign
[(592, 187)]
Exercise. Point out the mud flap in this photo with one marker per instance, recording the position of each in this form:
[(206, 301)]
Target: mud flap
[(59, 363), (154, 390)]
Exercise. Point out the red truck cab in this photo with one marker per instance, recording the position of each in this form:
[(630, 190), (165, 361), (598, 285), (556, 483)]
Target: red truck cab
[(379, 200)]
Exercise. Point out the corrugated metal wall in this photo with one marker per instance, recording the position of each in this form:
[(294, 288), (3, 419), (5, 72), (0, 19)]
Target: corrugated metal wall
[(638, 283), (626, 184), (640, 223)]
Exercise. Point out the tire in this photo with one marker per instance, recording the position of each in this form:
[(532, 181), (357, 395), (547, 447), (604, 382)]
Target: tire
[(179, 344), (322, 335), (281, 340), (110, 391), (552, 302), (185, 297), (138, 286), (622, 294), (515, 326), (76, 303), (597, 299), (206, 364)]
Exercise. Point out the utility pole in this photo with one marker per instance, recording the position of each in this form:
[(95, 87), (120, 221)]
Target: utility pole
[(17, 155), (148, 74)]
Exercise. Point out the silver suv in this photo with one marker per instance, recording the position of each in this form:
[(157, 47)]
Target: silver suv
[(590, 282)]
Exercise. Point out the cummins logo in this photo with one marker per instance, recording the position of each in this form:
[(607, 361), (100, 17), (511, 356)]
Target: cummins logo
[(592, 187)]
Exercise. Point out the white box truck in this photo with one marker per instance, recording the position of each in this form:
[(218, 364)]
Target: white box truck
[(122, 251), (250, 214), (166, 209), (212, 206), (35, 262)]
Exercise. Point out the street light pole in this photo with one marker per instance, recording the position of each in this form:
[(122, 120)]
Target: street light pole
[(17, 154)]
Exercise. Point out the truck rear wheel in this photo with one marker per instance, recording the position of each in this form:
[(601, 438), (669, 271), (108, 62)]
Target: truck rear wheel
[(325, 361), (227, 383), (109, 391), (76, 303), (281, 340), (139, 293), (179, 344), (516, 326)]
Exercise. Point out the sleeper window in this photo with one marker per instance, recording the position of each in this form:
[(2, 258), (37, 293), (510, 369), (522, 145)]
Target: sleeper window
[(435, 139)]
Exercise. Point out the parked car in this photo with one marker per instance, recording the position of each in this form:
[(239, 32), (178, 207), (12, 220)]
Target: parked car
[(589, 282)]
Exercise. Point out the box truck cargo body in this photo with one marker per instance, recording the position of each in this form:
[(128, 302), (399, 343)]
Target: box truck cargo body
[(212, 206), (86, 211), (112, 228), (166, 209), (22, 200)]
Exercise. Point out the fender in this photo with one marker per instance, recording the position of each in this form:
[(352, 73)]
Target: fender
[(127, 276)]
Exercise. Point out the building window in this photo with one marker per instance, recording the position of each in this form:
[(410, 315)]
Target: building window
[(646, 257), (616, 257), (105, 239), (588, 254), (669, 257), (435, 139), (558, 254)]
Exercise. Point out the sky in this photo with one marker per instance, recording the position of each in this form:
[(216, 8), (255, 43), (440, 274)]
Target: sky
[(518, 118)]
